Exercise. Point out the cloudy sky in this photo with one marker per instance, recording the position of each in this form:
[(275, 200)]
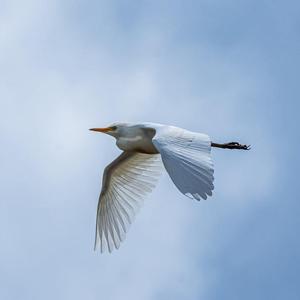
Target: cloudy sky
[(226, 68)]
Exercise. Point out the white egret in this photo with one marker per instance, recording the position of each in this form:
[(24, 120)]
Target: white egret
[(130, 177)]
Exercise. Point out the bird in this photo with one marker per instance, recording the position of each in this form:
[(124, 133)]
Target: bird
[(147, 149)]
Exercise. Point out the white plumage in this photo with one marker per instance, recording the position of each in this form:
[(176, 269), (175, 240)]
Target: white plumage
[(126, 181), (186, 157), (129, 178)]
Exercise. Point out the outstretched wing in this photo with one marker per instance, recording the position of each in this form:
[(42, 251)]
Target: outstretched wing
[(187, 158), (126, 181)]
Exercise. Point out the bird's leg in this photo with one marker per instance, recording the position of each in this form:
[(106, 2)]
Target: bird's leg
[(232, 145)]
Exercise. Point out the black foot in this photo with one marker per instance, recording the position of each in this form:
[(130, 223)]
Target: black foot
[(235, 145), (232, 145)]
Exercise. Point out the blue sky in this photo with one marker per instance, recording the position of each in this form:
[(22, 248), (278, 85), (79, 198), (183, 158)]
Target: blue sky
[(226, 68)]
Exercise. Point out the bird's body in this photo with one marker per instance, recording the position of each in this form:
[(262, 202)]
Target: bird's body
[(138, 138), (147, 147)]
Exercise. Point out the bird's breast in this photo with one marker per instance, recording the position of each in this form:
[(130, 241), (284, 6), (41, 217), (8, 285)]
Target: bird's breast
[(137, 143)]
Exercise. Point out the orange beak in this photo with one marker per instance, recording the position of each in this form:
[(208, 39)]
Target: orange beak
[(105, 129)]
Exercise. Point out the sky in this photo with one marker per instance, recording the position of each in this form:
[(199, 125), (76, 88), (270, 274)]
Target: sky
[(225, 68)]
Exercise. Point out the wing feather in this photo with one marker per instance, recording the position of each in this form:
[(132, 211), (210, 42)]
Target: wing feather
[(126, 182), (187, 158)]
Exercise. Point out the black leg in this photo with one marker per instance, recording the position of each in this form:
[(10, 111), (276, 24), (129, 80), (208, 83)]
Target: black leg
[(232, 145)]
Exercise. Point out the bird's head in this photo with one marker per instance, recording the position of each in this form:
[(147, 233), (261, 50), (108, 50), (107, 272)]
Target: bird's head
[(116, 129)]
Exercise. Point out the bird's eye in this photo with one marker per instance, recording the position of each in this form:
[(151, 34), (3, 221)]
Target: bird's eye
[(113, 128)]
